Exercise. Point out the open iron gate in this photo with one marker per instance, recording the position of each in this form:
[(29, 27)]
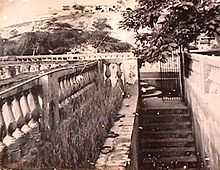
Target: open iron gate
[(171, 78)]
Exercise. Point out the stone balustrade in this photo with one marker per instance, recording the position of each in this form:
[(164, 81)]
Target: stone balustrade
[(11, 69), (35, 104), (67, 57), (202, 87), (11, 66)]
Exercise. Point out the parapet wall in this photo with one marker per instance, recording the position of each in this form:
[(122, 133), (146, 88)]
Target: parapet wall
[(202, 86)]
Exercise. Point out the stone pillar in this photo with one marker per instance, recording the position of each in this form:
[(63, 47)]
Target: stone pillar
[(51, 97)]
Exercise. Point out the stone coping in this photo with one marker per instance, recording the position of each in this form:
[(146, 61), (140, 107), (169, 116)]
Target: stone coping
[(115, 152)]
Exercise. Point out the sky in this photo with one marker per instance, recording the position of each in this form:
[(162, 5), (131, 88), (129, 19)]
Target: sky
[(16, 11)]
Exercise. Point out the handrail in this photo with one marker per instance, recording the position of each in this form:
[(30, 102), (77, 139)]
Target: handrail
[(72, 57)]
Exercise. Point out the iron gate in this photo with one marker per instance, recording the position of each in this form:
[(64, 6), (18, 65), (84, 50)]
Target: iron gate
[(171, 78)]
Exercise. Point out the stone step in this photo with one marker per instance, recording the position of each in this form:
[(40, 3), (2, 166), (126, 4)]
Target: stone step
[(165, 152), (167, 142), (148, 90), (156, 93), (164, 118), (144, 84), (174, 110), (184, 162), (166, 126), (166, 133)]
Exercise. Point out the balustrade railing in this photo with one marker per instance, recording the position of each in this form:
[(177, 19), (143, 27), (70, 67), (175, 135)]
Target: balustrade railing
[(11, 66), (34, 104), (37, 104)]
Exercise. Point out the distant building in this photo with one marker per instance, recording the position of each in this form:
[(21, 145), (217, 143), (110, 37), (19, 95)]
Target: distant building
[(205, 42)]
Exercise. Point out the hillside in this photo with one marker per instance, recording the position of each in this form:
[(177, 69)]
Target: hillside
[(79, 29)]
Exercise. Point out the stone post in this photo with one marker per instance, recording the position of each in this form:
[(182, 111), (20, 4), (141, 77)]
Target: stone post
[(50, 86)]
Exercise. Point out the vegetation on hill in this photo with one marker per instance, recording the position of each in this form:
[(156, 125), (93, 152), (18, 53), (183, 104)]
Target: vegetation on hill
[(60, 38), (165, 25)]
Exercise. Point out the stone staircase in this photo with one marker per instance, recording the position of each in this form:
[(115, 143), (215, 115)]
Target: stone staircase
[(166, 140)]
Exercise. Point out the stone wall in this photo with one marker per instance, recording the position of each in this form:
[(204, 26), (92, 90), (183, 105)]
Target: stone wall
[(202, 86)]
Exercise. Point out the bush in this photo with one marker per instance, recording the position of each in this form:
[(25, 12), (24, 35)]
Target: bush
[(79, 138)]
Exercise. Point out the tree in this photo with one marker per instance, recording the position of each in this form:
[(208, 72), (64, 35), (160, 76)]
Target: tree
[(101, 25), (170, 24)]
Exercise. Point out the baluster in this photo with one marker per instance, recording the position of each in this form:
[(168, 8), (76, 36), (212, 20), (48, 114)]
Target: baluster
[(59, 91), (40, 101), (38, 67), (78, 81), (26, 113), (119, 82), (22, 69), (49, 66), (31, 69), (71, 84), (75, 84), (1, 73), (2, 135), (16, 109), (62, 88), (7, 72), (34, 110), (87, 77), (18, 70), (68, 85), (2, 127), (65, 87), (108, 83), (9, 122), (28, 68), (42, 67)]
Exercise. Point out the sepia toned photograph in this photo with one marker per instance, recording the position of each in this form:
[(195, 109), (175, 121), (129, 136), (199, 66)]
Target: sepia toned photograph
[(109, 84)]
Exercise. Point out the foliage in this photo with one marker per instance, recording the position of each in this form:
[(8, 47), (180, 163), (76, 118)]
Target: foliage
[(60, 38), (169, 24), (101, 24), (79, 138)]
